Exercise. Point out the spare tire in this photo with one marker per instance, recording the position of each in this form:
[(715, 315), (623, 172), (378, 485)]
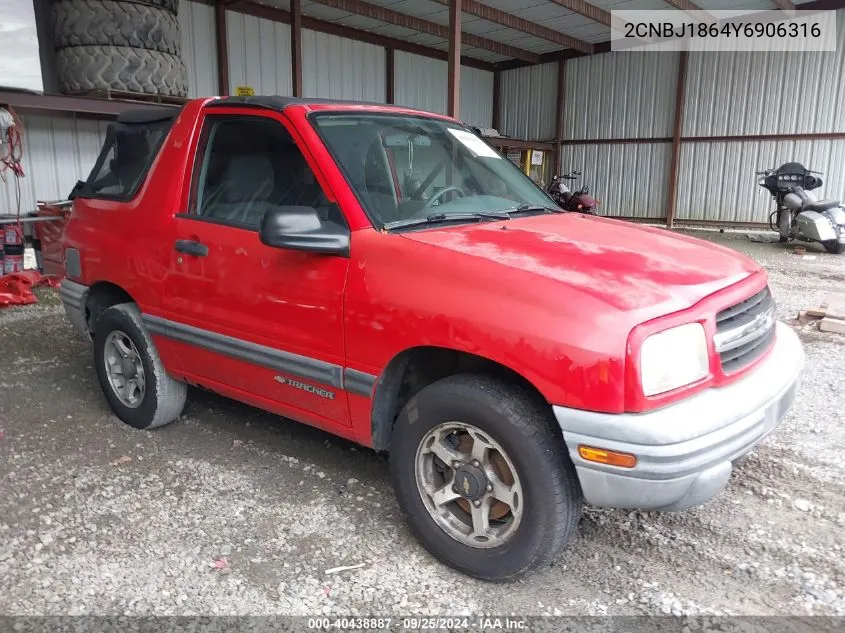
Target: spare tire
[(97, 23), (168, 5), (87, 68)]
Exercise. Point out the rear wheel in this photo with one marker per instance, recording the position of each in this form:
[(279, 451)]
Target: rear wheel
[(483, 477), (834, 246), (131, 374)]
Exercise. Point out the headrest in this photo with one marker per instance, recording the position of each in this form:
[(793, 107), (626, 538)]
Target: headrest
[(249, 177)]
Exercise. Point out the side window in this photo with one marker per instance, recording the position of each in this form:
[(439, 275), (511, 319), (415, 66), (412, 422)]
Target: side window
[(246, 166), (124, 160)]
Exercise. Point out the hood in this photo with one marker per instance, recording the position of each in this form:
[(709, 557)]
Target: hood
[(631, 267)]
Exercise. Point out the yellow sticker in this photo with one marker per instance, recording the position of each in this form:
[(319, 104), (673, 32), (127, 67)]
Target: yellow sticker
[(245, 91)]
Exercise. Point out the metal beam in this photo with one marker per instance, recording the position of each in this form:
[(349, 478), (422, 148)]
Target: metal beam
[(296, 46), (453, 102), (680, 101), (497, 100), (69, 106), (688, 7), (333, 28), (389, 75), (561, 94), (511, 21), (359, 7), (786, 5), (591, 11), (555, 56), (596, 14), (684, 5), (222, 49)]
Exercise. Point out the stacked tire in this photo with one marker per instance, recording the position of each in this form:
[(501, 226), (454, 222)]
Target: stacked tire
[(126, 45)]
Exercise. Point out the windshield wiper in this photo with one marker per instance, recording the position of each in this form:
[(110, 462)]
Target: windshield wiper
[(436, 218), (533, 208)]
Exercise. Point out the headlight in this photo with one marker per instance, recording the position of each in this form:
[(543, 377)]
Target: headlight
[(673, 358)]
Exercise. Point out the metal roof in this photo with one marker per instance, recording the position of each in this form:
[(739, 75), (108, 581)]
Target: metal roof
[(517, 29)]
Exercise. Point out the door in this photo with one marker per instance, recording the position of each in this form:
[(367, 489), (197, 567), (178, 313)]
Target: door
[(262, 321)]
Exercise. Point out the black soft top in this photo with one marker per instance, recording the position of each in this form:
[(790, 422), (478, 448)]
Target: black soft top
[(280, 103), (148, 115)]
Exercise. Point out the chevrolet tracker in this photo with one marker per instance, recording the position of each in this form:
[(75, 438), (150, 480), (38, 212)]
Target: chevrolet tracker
[(383, 274)]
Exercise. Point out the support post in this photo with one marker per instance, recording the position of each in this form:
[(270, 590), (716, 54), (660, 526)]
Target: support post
[(296, 46), (222, 48), (561, 94), (389, 75), (454, 99), (680, 98), (497, 99)]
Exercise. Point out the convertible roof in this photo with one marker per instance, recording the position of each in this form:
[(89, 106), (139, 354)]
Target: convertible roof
[(148, 115), (280, 103)]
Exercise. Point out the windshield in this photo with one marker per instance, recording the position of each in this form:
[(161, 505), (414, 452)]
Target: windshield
[(404, 168)]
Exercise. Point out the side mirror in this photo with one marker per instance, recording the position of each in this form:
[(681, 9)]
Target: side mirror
[(302, 229)]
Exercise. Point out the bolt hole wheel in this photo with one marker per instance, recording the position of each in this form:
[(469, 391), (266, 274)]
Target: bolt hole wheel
[(131, 374), (483, 477), (469, 485)]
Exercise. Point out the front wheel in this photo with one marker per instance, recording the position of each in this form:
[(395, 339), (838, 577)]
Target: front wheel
[(483, 477), (834, 246)]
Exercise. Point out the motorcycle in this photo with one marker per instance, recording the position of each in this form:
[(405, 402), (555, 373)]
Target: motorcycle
[(578, 201), (799, 214)]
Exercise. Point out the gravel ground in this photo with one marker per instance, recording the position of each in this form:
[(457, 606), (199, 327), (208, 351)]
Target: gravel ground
[(234, 511)]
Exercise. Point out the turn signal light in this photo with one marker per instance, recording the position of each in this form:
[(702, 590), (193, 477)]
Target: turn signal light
[(602, 456)]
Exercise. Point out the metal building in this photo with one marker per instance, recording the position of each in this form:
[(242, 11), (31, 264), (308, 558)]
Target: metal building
[(671, 137)]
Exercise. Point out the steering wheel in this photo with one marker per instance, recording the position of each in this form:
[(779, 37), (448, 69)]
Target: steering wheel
[(439, 194)]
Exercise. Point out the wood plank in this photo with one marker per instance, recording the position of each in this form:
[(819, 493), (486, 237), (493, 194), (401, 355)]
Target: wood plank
[(829, 324)]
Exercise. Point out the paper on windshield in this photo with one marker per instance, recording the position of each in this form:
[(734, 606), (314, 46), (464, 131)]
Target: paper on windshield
[(474, 144)]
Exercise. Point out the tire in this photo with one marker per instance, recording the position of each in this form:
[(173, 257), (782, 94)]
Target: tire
[(782, 239), (91, 23), (168, 5), (834, 247), (163, 397), (511, 416), (86, 68)]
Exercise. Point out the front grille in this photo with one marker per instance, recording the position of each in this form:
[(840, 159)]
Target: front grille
[(745, 331)]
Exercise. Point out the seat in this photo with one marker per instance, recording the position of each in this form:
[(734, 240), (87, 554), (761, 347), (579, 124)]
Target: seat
[(821, 205), (244, 192)]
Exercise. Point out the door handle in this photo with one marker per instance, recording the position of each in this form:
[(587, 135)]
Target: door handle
[(192, 247)]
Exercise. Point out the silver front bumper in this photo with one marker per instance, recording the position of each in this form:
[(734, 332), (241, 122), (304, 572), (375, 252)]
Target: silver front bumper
[(73, 297), (684, 451)]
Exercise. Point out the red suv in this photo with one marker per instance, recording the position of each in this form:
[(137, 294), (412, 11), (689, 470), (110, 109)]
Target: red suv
[(385, 275)]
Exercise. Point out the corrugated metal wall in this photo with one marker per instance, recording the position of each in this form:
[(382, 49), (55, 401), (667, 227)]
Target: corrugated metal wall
[(199, 47), (732, 94), (339, 68), (632, 95), (627, 178), (716, 181), (772, 93), (57, 153), (476, 97), (620, 95), (528, 102), (420, 82), (259, 54)]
